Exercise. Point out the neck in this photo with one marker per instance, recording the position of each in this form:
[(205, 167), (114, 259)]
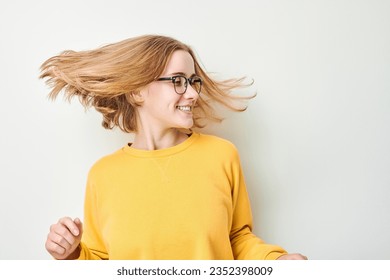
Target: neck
[(156, 140)]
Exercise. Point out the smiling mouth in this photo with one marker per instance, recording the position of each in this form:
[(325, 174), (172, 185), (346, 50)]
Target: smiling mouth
[(184, 108)]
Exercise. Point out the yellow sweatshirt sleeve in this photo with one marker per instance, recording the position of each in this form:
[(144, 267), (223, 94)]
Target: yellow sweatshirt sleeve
[(91, 230), (246, 245)]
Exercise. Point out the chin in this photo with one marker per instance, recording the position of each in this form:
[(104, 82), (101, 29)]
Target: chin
[(187, 125)]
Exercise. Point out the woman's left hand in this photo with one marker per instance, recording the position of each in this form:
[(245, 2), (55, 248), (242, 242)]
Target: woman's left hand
[(292, 257)]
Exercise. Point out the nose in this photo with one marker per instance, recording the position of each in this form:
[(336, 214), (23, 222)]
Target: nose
[(191, 93)]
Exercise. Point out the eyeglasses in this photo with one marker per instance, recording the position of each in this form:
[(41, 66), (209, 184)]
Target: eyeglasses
[(180, 83)]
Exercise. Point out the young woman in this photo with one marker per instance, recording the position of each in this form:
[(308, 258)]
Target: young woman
[(172, 193)]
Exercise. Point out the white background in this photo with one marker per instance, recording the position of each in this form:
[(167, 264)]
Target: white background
[(314, 143)]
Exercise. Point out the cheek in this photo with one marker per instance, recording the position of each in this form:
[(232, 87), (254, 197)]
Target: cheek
[(161, 97), (164, 92)]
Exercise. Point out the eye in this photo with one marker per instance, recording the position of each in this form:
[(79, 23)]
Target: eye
[(177, 80), (196, 80), (196, 83)]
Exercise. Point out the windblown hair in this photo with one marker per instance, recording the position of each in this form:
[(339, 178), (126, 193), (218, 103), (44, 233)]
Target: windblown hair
[(108, 77)]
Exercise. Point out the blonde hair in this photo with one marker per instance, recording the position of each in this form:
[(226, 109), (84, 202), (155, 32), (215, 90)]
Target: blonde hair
[(108, 77)]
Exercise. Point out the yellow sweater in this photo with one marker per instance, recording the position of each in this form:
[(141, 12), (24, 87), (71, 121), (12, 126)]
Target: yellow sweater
[(185, 202)]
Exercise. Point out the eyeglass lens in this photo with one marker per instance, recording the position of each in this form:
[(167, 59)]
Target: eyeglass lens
[(181, 84)]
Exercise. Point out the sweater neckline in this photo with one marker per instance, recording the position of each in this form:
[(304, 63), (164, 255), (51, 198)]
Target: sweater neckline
[(162, 152)]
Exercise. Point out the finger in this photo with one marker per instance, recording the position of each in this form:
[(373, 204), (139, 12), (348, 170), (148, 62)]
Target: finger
[(66, 241), (58, 240), (300, 257), (292, 257), (79, 225), (68, 222), (61, 231), (54, 249)]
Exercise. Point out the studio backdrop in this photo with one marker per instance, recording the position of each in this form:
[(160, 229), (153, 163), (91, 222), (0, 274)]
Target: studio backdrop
[(314, 143)]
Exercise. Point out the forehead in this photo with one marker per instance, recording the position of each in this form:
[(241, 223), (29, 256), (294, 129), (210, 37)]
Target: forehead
[(180, 62)]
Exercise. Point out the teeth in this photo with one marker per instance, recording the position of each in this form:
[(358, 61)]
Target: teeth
[(184, 108)]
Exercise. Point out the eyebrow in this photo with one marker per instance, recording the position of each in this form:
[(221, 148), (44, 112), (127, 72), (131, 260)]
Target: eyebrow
[(182, 73)]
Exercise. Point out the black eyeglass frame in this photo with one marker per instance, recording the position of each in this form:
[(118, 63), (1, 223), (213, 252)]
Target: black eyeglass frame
[(187, 81)]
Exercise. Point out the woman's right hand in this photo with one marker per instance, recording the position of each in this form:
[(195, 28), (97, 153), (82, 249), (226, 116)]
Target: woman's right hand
[(64, 238)]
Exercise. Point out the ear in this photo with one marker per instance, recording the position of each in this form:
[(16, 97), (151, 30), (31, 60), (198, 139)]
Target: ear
[(138, 96), (135, 98)]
